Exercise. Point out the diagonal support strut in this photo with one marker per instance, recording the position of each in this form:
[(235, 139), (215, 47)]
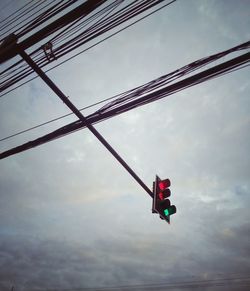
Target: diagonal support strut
[(73, 108)]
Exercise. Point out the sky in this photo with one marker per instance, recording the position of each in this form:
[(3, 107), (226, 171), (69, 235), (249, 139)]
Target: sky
[(71, 216)]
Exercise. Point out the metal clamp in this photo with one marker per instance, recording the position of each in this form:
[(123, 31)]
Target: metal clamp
[(48, 50)]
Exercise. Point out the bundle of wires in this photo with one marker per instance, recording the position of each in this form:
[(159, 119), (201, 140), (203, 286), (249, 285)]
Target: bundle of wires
[(152, 91), (31, 15), (68, 38)]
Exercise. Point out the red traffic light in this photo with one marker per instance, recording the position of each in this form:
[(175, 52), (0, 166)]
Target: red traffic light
[(163, 191), (164, 184)]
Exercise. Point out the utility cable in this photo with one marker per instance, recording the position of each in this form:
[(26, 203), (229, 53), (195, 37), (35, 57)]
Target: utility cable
[(9, 84), (148, 87), (46, 15), (13, 23), (14, 81), (15, 12), (114, 109)]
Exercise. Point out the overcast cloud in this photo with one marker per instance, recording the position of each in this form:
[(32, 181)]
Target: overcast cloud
[(70, 215)]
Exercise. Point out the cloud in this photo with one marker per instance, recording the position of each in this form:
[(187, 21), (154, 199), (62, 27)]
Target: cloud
[(70, 216)]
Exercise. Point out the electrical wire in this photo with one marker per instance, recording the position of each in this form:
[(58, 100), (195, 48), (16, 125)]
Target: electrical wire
[(25, 23), (17, 20), (21, 26), (61, 49), (86, 6), (82, 22), (137, 97), (149, 87), (42, 61), (102, 28), (15, 12), (46, 15), (53, 120)]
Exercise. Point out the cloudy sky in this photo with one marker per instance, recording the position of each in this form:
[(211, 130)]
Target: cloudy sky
[(71, 216)]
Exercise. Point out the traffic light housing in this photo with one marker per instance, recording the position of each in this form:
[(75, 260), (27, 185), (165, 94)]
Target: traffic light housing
[(161, 203)]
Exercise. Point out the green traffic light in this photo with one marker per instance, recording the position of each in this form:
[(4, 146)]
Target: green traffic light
[(166, 212), (170, 210)]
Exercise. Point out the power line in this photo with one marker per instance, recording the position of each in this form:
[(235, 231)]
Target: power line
[(81, 39), (14, 22), (83, 9), (137, 98), (46, 15), (15, 12), (88, 48), (54, 119), (150, 86)]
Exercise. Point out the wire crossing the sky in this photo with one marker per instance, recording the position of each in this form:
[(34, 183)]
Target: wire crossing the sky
[(78, 53), (69, 37), (150, 92), (149, 86)]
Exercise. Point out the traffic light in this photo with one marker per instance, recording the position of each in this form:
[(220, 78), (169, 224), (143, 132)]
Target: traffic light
[(161, 204)]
